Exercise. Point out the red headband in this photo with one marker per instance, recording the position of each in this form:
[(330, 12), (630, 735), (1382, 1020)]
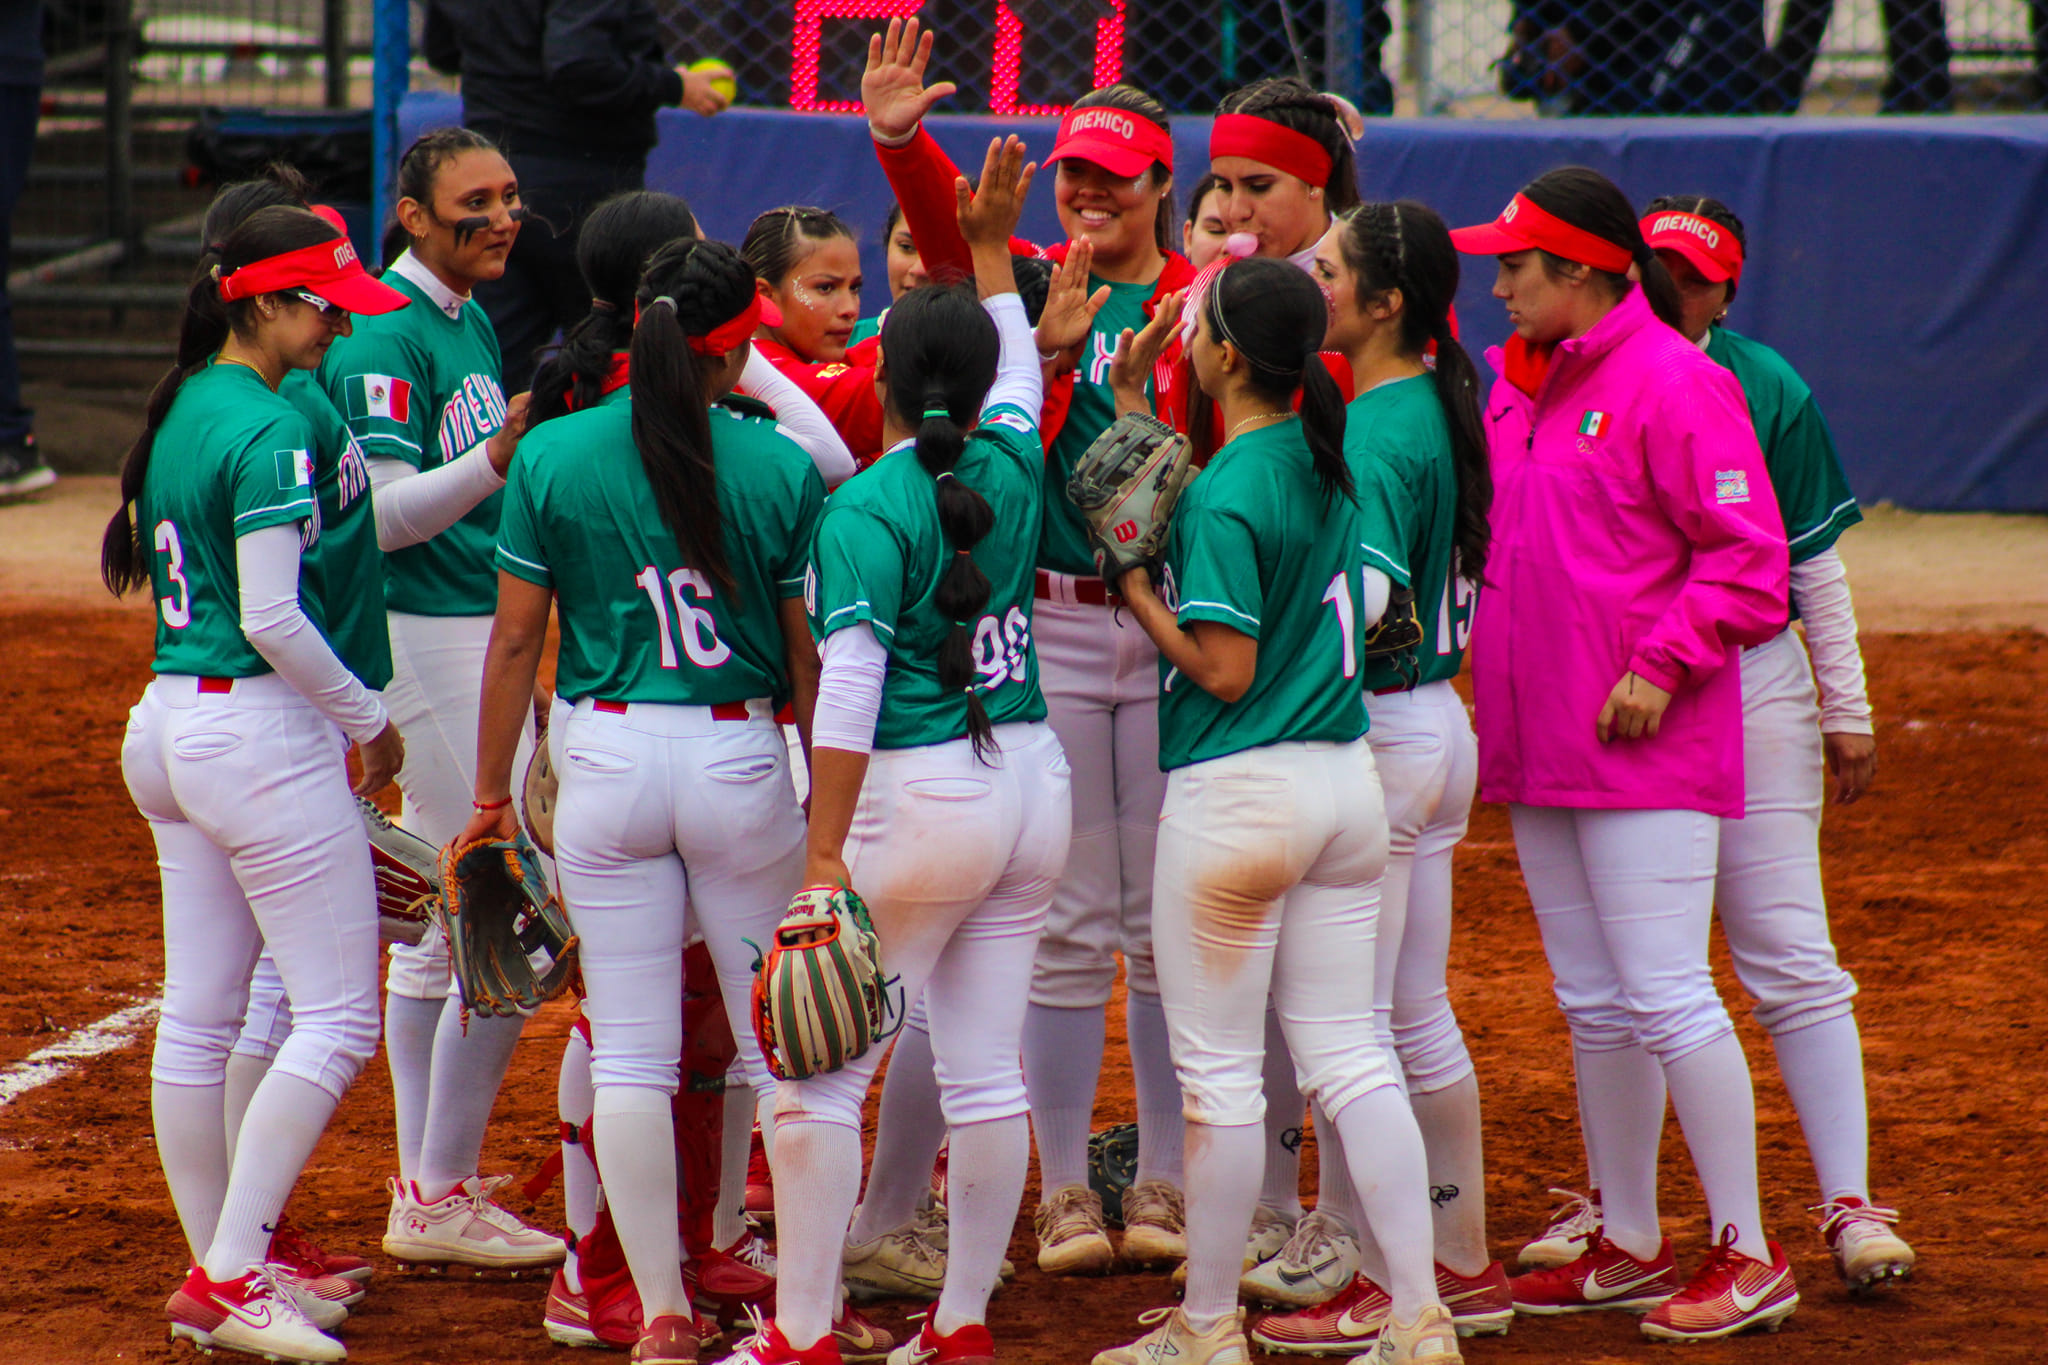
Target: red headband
[(1523, 224), (1260, 139), (727, 336), (1712, 249), (329, 269)]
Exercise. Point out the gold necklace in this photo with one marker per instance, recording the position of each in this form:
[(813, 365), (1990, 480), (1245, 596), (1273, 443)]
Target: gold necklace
[(1231, 435), (231, 360)]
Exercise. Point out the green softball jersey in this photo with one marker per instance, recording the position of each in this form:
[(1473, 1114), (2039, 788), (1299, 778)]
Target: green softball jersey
[(878, 557), (1063, 544), (344, 571), (420, 386), (230, 458), (637, 623), (867, 327), (1399, 448), (1799, 450), (1257, 547)]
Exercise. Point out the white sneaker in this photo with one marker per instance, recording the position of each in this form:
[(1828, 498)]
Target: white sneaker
[(1155, 1224), (1270, 1231), (1569, 1234), (1317, 1262), (466, 1228), (318, 1298), (1867, 1252), (1173, 1339), (255, 1313), (1073, 1238), (1431, 1339), (899, 1264)]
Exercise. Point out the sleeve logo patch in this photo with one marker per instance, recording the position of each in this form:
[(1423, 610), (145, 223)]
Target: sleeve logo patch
[(1731, 485), (1595, 423), (379, 395), (1016, 421), (294, 469)]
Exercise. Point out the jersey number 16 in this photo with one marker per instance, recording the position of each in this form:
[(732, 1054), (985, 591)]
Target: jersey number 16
[(699, 629)]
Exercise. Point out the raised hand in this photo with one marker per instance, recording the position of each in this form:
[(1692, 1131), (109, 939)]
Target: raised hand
[(892, 88), (988, 216), (1070, 310), (1138, 352)]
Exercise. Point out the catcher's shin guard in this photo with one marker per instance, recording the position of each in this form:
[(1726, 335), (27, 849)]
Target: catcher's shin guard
[(699, 1103)]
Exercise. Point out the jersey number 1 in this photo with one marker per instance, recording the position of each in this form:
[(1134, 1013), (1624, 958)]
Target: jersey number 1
[(1338, 595), (699, 630)]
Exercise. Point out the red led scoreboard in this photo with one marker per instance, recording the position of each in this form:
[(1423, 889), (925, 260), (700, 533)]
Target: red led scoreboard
[(1005, 58)]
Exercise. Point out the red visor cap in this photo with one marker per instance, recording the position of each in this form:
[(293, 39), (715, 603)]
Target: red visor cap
[(1711, 248), (329, 269), (1120, 142), (1523, 226)]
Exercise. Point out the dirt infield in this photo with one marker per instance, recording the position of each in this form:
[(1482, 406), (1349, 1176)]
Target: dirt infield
[(1940, 888)]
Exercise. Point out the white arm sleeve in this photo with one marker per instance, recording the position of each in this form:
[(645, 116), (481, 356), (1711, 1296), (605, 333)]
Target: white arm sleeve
[(1379, 590), (413, 507), (852, 664), (1821, 588), (267, 562), (1019, 379), (800, 419)]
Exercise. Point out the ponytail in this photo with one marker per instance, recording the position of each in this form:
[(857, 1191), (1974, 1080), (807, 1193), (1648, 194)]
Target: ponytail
[(1322, 422), (1592, 203), (939, 352), (1405, 246), (690, 288), (1660, 291), (1275, 316), (204, 329)]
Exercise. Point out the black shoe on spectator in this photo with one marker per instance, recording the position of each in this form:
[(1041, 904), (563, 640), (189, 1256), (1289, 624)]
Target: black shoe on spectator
[(22, 469)]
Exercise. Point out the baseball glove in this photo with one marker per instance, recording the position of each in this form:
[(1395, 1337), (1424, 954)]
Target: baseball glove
[(408, 873), (1395, 637), (1112, 1166), (820, 999), (1126, 485), (509, 942), (537, 794)]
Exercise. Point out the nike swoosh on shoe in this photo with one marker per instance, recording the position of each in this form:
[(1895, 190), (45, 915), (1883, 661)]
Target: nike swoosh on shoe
[(1297, 1276), (1596, 1291)]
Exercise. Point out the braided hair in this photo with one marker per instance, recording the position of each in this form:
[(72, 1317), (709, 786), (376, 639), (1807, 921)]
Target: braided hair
[(617, 240), (1275, 316), (1590, 202), (208, 322), (690, 287), (1293, 104), (1404, 245), (940, 351), (420, 167), (1707, 207), (778, 240)]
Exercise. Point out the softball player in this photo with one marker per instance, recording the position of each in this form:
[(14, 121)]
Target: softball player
[(1621, 758), (1202, 236), (1283, 166), (231, 756), (692, 527), (1417, 448), (1272, 840), (420, 392), (1113, 189), (906, 270), (937, 789), (809, 268), (1768, 886)]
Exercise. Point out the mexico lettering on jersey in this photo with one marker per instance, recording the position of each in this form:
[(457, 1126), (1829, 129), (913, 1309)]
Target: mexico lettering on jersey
[(474, 411)]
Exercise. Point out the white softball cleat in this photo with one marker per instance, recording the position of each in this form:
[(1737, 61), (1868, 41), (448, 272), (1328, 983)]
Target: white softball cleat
[(1867, 1252), (465, 1227), (1073, 1237), (1155, 1224), (1567, 1236), (1316, 1264), (255, 1313), (1174, 1341)]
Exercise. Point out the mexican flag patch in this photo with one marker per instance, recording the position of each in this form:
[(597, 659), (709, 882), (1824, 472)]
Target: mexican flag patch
[(379, 395), (294, 469), (1594, 423)]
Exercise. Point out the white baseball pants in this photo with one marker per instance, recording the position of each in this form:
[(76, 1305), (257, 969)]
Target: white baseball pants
[(660, 807), (258, 844)]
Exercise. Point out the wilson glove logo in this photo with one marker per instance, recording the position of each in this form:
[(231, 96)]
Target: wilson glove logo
[(1125, 532)]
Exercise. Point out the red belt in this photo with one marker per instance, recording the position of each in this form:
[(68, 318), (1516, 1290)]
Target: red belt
[(1390, 691), (216, 684), (724, 710), (1092, 591)]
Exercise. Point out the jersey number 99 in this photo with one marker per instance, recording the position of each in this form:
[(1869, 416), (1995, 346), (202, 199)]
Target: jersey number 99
[(1000, 648), (699, 629)]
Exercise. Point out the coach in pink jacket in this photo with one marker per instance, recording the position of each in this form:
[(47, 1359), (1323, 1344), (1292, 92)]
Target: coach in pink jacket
[(1637, 549)]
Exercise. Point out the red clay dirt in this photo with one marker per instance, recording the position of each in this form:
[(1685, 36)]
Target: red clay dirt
[(1939, 882)]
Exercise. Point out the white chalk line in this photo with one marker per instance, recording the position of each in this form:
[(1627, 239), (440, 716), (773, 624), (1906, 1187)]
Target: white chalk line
[(62, 1057)]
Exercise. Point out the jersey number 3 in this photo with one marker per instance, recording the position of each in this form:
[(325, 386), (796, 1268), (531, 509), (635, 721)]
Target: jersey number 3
[(699, 630), (175, 605)]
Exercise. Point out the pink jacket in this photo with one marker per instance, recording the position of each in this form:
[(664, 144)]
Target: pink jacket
[(1634, 529)]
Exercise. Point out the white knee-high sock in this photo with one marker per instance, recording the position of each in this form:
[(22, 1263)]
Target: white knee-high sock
[(1822, 1065), (764, 1118), (1383, 1149), (1062, 1062), (1585, 1127), (468, 1069), (409, 1027), (815, 1186), (192, 1145), (1449, 1120), (985, 1171), (735, 1141), (1160, 1125), (1710, 1089), (1334, 1192), (909, 1126), (1286, 1117), (283, 1125), (244, 1075), (1621, 1104), (1223, 1190), (638, 1142), (574, 1102)]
